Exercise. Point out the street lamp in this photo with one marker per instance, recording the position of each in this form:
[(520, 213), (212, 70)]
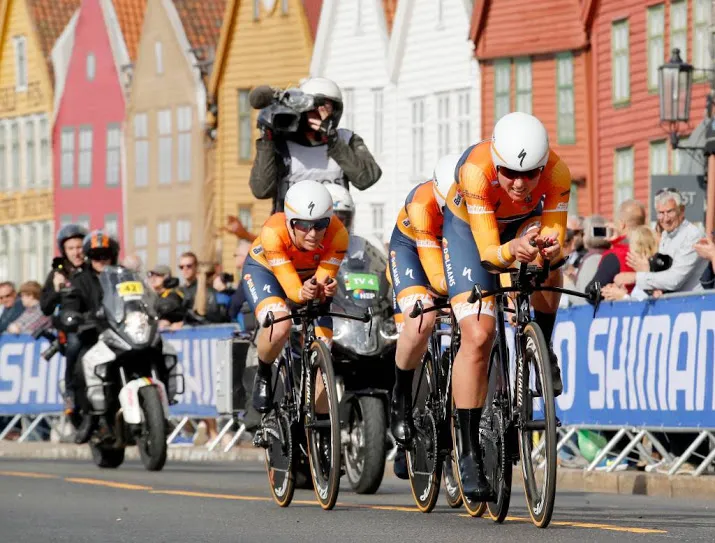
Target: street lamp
[(675, 80)]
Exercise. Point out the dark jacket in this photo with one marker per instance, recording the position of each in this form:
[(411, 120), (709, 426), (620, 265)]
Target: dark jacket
[(214, 312), (10, 315), (85, 294), (170, 305), (270, 168), (50, 298)]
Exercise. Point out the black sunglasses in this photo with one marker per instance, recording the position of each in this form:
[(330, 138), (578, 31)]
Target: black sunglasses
[(306, 226), (513, 174)]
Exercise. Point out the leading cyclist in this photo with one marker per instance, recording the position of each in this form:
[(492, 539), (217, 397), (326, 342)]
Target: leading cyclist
[(509, 204)]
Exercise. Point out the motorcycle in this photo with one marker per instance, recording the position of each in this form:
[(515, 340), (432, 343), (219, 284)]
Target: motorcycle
[(127, 372), (363, 359)]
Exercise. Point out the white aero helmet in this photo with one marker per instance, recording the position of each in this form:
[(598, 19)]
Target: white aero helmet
[(343, 203), (444, 175), (520, 142), (322, 87), (308, 201)]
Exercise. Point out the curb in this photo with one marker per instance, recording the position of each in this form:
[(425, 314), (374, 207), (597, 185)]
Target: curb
[(634, 483)]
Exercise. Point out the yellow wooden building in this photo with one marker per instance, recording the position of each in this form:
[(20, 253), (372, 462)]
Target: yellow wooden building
[(262, 42), (28, 30)]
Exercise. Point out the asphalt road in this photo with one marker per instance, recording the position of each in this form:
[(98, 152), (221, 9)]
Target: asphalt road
[(72, 501)]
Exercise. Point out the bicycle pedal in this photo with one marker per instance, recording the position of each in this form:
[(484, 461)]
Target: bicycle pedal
[(260, 440)]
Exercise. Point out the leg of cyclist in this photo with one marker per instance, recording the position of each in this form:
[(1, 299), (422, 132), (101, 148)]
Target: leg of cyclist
[(324, 332), (264, 294), (463, 269), (409, 283)]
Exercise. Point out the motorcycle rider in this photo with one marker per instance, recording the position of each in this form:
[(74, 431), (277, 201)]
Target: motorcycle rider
[(85, 296), (343, 205), (294, 248), (70, 262), (318, 150), (416, 272)]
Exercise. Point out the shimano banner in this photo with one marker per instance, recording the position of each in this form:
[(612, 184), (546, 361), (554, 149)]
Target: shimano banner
[(30, 385), (639, 363)]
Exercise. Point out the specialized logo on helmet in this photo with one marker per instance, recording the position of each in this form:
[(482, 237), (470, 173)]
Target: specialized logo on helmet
[(522, 156), (311, 206)]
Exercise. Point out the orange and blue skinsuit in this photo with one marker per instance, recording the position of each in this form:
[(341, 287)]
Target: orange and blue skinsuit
[(416, 252), (276, 269), (480, 220)]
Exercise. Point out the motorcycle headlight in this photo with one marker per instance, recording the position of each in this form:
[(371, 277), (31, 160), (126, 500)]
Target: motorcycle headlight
[(136, 326)]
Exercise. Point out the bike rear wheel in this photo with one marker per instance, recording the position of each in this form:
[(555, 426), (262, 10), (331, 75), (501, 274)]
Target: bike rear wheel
[(280, 453), (452, 493), (538, 464), (423, 464), (323, 436)]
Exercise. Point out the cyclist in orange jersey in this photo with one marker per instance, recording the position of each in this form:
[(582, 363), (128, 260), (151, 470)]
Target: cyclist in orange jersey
[(509, 205), (296, 258), (416, 272)]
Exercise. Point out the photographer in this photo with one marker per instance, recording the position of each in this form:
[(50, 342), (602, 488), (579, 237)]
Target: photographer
[(170, 300), (300, 140)]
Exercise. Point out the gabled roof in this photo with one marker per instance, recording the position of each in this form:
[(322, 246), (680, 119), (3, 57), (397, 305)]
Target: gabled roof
[(202, 21), (385, 12), (311, 10), (499, 29), (49, 17), (130, 14)]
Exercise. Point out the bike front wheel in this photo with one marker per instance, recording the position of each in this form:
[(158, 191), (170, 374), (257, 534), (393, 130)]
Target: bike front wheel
[(537, 432), (322, 428)]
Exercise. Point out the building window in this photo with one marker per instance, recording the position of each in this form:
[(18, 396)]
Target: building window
[(378, 220), (15, 251), (91, 66), (30, 252), (47, 245), (378, 108), (3, 155), (159, 57), (656, 43), (358, 17), (165, 145), (84, 177), (573, 200), (418, 137), (183, 125), (348, 119), (163, 241), (245, 215), (4, 252), (140, 243), (564, 82), (83, 221), (658, 157), (65, 220), (111, 225), (502, 76), (439, 15), (15, 142), (183, 237), (620, 63), (30, 155), (701, 38), (679, 27), (244, 126), (20, 63), (523, 85), (67, 145), (623, 189), (464, 119), (141, 150), (45, 156), (680, 157), (114, 136), (443, 124)]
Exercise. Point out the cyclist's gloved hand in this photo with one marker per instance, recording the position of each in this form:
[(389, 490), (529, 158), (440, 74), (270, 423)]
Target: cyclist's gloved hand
[(330, 287), (549, 247), (310, 290), (525, 248)]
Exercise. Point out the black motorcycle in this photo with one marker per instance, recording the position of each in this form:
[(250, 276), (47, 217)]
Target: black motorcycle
[(127, 372), (364, 361)]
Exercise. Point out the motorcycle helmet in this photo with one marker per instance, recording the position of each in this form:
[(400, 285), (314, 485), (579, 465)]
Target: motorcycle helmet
[(444, 176), (520, 143), (308, 201), (343, 204), (98, 245), (67, 232), (321, 88)]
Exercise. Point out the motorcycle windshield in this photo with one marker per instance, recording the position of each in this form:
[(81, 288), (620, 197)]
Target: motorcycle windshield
[(123, 291), (362, 282)]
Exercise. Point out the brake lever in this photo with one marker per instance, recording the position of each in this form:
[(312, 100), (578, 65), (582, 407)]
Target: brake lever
[(368, 316), (418, 311), (268, 323)]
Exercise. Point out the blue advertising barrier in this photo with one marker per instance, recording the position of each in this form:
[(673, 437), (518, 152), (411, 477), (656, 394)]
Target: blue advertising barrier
[(29, 384), (641, 364)]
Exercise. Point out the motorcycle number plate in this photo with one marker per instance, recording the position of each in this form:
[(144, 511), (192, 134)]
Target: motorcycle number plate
[(130, 288), (362, 281)]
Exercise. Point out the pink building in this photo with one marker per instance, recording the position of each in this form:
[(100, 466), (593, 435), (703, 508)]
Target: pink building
[(92, 63)]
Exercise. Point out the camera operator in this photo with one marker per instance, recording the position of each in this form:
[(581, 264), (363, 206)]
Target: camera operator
[(300, 139), (170, 300), (64, 267)]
